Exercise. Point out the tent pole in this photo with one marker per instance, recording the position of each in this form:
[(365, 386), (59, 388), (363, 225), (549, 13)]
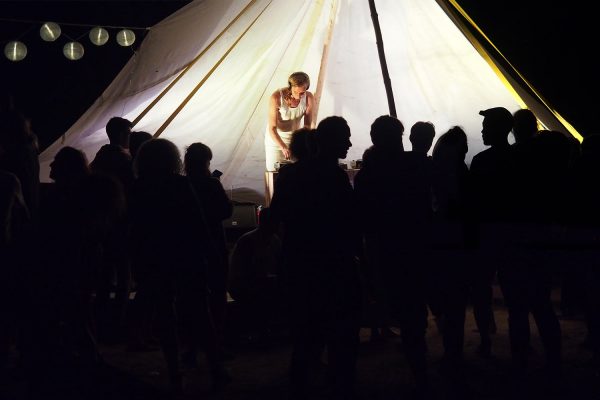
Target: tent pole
[(384, 70), (324, 58)]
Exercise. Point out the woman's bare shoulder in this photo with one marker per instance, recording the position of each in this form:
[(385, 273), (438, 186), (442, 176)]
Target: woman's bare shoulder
[(276, 96)]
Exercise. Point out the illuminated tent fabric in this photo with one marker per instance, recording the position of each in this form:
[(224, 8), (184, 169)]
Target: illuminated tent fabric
[(230, 55)]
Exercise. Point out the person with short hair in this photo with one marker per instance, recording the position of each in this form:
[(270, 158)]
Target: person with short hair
[(421, 136), (288, 107)]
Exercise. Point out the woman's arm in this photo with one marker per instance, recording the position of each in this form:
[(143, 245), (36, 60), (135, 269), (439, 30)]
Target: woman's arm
[(310, 109), (273, 109)]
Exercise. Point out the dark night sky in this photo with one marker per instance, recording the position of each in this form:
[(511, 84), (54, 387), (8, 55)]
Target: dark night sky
[(550, 46)]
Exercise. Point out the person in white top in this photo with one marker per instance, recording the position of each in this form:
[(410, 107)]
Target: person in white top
[(287, 108)]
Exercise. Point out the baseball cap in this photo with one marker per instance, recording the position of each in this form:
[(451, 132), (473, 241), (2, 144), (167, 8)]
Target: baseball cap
[(499, 116)]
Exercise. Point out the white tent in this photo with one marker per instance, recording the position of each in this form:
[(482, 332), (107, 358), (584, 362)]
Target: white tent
[(205, 74)]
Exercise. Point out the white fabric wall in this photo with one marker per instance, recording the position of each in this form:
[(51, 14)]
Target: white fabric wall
[(436, 75)]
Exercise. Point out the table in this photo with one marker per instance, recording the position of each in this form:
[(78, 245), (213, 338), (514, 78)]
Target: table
[(271, 178)]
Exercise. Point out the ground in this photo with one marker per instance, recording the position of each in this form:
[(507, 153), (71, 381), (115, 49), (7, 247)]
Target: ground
[(259, 369)]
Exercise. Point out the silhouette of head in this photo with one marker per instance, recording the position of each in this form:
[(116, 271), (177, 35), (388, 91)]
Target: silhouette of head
[(69, 166), (552, 151), (15, 130), (497, 124), (302, 144), (118, 130), (386, 132), (525, 125), (197, 160), (266, 221), (136, 139), (451, 147), (332, 137), (157, 158), (421, 136)]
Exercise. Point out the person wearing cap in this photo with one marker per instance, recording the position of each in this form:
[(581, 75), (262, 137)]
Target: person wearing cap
[(491, 172), (492, 168)]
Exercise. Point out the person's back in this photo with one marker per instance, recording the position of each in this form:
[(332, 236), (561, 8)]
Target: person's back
[(136, 140), (393, 189), (401, 209), (215, 207), (113, 158), (584, 207), (315, 204), (255, 261), (254, 272), (493, 169), (421, 136), (525, 125), (314, 200), (19, 155)]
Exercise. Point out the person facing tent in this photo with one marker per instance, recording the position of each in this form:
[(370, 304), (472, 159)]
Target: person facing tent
[(316, 207), (421, 136), (216, 207)]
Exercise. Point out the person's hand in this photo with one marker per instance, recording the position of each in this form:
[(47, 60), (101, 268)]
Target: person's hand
[(286, 152)]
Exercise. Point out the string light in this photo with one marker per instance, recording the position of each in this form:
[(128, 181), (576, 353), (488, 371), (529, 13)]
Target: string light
[(73, 51), (15, 50), (125, 37), (51, 31), (98, 36)]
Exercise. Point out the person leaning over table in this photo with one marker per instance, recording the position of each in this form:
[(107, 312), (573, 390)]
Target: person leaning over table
[(288, 107)]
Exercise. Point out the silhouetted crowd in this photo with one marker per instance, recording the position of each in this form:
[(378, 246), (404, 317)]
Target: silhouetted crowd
[(131, 247)]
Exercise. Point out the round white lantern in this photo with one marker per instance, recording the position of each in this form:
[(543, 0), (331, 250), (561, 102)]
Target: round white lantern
[(125, 37), (50, 31), (15, 50), (73, 50), (98, 36)]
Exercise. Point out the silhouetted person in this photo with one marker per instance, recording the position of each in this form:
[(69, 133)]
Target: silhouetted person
[(492, 173), (584, 226), (421, 136), (525, 125), (19, 155), (216, 207), (255, 268), (170, 243), (457, 276), (526, 276), (316, 206), (14, 219), (58, 325), (302, 144), (396, 220), (113, 159), (136, 139)]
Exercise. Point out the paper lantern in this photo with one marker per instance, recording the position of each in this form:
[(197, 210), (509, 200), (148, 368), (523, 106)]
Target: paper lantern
[(73, 50), (98, 36), (50, 31), (125, 37), (15, 50)]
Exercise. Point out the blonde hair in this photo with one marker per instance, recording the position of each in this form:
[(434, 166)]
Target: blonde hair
[(299, 79)]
